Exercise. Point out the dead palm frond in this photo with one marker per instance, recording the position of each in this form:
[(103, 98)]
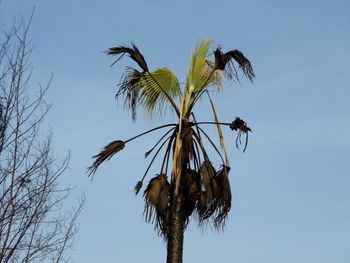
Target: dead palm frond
[(223, 61), (214, 196), (207, 171), (116, 146), (128, 88), (106, 154), (133, 52), (240, 126), (224, 196), (157, 202), (191, 190), (205, 208)]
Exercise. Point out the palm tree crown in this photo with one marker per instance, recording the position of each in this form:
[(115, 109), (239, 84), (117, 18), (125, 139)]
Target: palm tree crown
[(192, 184)]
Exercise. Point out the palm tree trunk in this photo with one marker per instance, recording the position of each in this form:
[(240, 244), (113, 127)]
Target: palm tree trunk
[(176, 230)]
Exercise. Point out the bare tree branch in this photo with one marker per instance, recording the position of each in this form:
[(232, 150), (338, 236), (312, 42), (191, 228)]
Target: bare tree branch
[(34, 227)]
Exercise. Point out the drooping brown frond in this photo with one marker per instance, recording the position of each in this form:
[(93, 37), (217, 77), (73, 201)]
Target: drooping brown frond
[(152, 191), (223, 196), (131, 77), (207, 171), (128, 89), (206, 204), (106, 154), (201, 205), (223, 61), (240, 126), (191, 190), (133, 52), (214, 196), (157, 202), (220, 61)]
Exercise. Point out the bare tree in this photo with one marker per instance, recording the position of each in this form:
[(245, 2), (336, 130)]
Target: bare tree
[(34, 227)]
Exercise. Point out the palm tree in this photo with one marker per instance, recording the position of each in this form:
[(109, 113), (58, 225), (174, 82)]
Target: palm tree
[(195, 186)]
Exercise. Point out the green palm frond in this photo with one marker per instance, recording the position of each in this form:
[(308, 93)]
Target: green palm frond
[(200, 76), (152, 90), (196, 79), (156, 89)]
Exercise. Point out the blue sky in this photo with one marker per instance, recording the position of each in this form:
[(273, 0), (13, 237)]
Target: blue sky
[(291, 187)]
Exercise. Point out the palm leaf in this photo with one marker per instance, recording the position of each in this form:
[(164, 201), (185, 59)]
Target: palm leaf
[(157, 202), (106, 154), (196, 77), (158, 88), (201, 75), (240, 126), (162, 81), (224, 196), (128, 89), (207, 173), (191, 189), (198, 67), (224, 61), (133, 52)]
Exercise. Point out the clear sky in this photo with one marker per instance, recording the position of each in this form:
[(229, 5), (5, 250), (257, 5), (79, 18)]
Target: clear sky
[(291, 187)]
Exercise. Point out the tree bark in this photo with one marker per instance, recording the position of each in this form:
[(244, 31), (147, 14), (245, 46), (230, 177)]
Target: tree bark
[(176, 231)]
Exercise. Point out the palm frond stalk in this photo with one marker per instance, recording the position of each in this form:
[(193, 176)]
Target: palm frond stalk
[(116, 146), (194, 186)]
